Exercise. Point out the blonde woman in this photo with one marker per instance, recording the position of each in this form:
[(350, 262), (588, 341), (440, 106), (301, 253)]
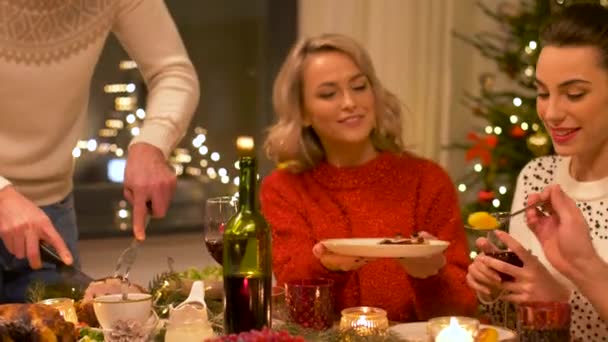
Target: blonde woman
[(345, 174)]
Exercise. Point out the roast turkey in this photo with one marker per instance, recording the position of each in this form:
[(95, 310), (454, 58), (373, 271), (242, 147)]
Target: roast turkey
[(34, 322)]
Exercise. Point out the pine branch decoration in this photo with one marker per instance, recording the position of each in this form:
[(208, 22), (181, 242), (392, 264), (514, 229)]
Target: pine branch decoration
[(166, 289)]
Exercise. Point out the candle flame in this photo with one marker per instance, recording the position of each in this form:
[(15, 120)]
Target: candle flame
[(454, 333), (362, 322)]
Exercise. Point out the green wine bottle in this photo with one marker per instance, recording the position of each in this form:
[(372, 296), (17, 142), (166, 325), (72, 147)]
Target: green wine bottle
[(247, 254)]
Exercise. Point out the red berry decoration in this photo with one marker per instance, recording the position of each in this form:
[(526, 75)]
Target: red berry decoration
[(265, 335)]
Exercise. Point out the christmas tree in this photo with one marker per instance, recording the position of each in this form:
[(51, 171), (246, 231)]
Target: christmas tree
[(511, 134)]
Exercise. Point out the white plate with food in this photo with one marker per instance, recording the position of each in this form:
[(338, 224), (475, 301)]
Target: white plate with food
[(386, 247), (416, 332)]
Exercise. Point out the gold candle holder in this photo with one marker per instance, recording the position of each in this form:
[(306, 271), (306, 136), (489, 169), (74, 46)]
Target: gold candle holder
[(364, 321), (65, 306), (453, 329)]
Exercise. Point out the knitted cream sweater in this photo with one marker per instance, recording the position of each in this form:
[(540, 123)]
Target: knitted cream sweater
[(48, 52)]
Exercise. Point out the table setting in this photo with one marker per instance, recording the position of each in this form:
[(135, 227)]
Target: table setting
[(187, 305), (301, 310)]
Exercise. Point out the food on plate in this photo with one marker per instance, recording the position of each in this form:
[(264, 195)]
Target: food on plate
[(209, 273), (487, 335), (87, 334), (414, 240), (255, 335), (34, 322), (483, 220), (101, 287)]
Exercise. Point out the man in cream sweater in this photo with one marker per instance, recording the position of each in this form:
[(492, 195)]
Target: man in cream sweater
[(48, 52)]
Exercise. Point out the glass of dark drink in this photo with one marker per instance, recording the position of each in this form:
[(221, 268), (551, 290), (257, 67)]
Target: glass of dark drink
[(544, 321), (501, 252), (218, 210), (310, 303), (508, 257)]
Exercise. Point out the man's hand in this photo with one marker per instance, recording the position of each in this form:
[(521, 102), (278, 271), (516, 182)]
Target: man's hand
[(23, 225), (148, 178)]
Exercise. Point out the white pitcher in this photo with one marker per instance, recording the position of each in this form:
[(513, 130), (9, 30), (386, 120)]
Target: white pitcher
[(189, 321)]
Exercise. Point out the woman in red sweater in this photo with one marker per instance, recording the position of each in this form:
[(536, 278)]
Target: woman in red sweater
[(346, 174)]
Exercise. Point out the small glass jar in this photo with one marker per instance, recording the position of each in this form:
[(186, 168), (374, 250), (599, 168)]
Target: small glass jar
[(65, 306), (364, 321), (450, 328), (279, 308)]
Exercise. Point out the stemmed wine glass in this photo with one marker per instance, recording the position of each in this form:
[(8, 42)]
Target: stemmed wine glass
[(218, 210)]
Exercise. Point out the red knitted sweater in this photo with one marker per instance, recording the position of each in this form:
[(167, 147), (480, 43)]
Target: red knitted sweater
[(390, 195)]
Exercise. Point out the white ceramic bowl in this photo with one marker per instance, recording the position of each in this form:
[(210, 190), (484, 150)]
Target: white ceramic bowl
[(112, 308)]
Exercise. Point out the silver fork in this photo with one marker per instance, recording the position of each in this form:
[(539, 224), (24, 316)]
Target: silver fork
[(128, 256), (126, 260), (541, 206)]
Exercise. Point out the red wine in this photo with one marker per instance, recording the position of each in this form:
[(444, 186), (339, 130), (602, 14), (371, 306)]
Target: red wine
[(249, 297), (215, 248), (508, 257), (247, 266)]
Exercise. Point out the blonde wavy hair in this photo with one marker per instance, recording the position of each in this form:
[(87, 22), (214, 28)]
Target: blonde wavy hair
[(289, 142)]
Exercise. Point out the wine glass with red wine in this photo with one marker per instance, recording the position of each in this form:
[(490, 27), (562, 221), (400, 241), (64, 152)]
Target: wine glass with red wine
[(218, 210)]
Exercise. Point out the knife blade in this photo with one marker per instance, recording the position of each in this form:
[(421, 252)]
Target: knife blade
[(69, 273)]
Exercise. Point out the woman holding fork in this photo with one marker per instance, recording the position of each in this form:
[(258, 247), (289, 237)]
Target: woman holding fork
[(566, 242), (572, 101)]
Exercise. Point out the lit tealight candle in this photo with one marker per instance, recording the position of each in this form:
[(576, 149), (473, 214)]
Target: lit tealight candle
[(364, 320), (65, 306), (454, 333)]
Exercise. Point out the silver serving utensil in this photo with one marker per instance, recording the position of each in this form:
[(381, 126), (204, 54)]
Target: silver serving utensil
[(126, 260), (128, 256)]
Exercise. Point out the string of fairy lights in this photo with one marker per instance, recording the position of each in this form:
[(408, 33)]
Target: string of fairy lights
[(196, 160)]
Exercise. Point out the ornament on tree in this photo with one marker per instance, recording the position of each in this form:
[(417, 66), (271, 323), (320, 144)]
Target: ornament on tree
[(539, 143), (517, 132), (481, 148), (487, 80), (479, 111), (528, 75), (485, 195)]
